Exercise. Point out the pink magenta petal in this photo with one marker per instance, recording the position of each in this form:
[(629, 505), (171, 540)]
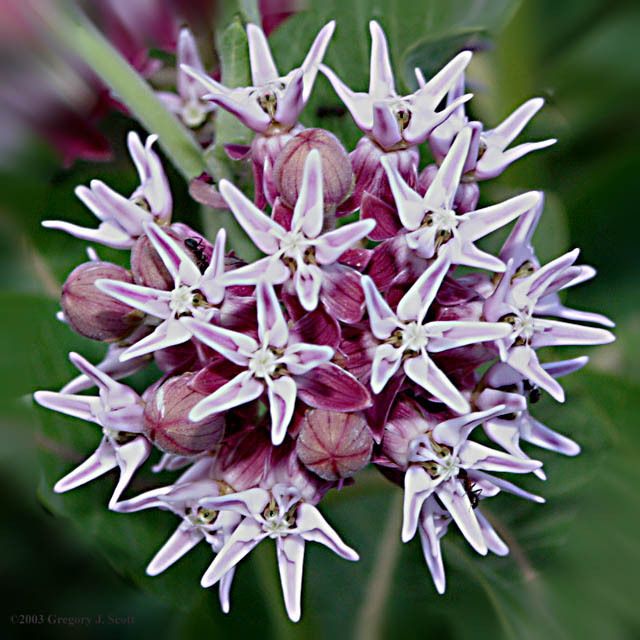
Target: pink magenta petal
[(175, 258), (410, 205), (386, 129), (342, 293), (332, 388), (291, 103), (385, 216), (301, 358), (307, 282), (290, 552)]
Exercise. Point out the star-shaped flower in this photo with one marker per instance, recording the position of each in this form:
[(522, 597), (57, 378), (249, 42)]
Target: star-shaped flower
[(118, 410), (282, 515), (188, 103), (302, 253), (407, 340), (395, 121), (440, 462), (198, 522), (274, 102), (270, 363), (195, 294), (515, 302), (122, 219), (432, 224), (489, 153)]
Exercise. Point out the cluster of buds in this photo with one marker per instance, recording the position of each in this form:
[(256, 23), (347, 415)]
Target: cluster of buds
[(353, 342)]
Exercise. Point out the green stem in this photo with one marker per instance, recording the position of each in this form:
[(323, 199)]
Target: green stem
[(76, 33)]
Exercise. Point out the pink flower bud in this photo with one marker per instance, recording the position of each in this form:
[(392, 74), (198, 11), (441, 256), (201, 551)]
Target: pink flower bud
[(94, 314), (337, 174), (167, 424), (334, 445)]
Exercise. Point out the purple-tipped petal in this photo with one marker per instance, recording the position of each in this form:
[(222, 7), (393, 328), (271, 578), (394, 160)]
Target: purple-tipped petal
[(423, 371), (291, 103), (455, 431), (146, 299), (537, 433), (175, 257), (130, 457), (480, 457), (565, 367), (224, 589), (432, 553), (383, 321), (358, 104), (168, 334), (270, 269), (411, 207), (525, 361), (494, 542), (509, 129), (246, 503), (307, 282), (556, 333), (301, 358), (82, 407), (105, 234)]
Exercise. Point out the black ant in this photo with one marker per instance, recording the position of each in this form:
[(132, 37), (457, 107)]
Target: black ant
[(533, 390), (469, 487), (196, 246)]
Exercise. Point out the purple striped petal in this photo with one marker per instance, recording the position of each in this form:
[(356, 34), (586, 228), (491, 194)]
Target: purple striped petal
[(269, 269), (175, 258), (525, 361), (307, 282), (385, 216), (130, 456), (105, 234), (386, 361), (238, 391), (314, 57), (342, 293), (537, 433), (477, 456), (432, 553), (455, 431), (423, 371), (556, 333), (246, 503), (382, 320), (495, 543), (224, 589), (301, 358), (291, 102), (359, 104), (233, 345), (469, 255), (381, 81), (329, 387), (82, 407), (282, 401), (290, 553)]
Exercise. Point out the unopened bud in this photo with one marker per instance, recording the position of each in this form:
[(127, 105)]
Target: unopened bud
[(167, 424), (92, 313), (333, 444), (337, 173)]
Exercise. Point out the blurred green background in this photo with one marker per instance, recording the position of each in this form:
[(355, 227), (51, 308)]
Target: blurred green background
[(574, 564)]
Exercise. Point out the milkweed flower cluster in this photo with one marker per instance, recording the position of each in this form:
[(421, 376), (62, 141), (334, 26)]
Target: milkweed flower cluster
[(386, 338)]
